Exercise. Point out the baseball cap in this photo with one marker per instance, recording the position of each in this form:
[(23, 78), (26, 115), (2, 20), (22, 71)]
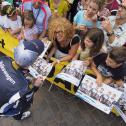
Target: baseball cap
[(27, 52)]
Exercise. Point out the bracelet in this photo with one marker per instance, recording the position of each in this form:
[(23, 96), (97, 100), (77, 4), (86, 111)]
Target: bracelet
[(110, 33)]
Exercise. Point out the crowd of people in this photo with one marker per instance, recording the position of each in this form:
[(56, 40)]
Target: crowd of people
[(89, 30)]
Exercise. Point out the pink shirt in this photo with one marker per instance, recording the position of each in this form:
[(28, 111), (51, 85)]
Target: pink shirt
[(29, 32)]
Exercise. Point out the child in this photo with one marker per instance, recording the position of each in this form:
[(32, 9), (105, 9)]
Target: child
[(3, 16), (111, 66), (83, 4), (91, 44), (29, 30), (85, 20), (13, 23)]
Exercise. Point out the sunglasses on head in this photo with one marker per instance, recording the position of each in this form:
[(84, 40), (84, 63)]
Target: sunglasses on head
[(11, 15)]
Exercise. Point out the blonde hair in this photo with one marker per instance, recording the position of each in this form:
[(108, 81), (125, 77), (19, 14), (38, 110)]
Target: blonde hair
[(64, 25)]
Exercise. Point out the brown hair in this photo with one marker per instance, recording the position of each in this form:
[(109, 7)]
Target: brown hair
[(118, 54), (100, 3), (30, 17), (96, 35), (64, 25), (4, 10)]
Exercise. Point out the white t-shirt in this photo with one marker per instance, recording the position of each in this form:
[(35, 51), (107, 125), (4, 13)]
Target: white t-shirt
[(13, 25), (2, 20)]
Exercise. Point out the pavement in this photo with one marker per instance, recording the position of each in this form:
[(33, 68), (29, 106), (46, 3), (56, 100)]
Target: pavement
[(59, 108)]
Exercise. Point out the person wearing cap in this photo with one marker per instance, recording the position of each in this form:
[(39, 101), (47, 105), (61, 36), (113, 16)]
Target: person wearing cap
[(3, 8), (13, 23), (16, 93), (41, 13)]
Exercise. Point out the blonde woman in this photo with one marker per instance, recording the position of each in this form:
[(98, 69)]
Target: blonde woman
[(65, 42)]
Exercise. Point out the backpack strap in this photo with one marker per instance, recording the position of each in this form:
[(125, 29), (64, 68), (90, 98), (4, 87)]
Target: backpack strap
[(44, 20), (22, 7)]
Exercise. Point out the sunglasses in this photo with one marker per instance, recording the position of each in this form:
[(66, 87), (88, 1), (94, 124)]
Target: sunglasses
[(58, 32)]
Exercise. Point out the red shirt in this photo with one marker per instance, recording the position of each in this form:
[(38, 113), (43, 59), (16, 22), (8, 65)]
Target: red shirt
[(112, 6)]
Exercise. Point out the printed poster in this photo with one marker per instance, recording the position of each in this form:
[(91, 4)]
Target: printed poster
[(47, 44), (73, 72), (40, 68), (102, 97)]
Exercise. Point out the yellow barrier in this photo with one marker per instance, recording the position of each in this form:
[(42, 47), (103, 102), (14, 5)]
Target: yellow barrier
[(7, 43), (69, 87)]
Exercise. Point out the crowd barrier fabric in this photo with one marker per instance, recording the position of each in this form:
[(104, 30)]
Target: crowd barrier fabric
[(7, 43)]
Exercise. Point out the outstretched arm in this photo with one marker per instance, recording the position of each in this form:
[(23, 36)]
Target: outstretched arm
[(99, 79)]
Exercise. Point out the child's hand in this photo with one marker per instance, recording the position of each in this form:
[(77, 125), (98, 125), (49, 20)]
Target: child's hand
[(108, 80), (88, 61), (47, 60), (99, 80), (82, 28), (119, 82), (94, 18), (19, 37), (12, 32)]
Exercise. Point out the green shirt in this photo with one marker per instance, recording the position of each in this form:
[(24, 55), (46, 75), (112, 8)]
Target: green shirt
[(10, 1)]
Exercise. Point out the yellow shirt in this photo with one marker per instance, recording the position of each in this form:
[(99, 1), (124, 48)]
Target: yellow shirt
[(61, 9), (84, 54)]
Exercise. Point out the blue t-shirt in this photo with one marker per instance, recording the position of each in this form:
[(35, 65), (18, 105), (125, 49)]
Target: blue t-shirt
[(79, 19)]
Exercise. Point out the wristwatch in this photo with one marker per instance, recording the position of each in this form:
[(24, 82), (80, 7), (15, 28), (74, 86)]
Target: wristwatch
[(110, 33)]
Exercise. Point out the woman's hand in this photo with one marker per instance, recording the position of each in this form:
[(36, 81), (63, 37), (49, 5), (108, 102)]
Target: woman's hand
[(56, 62)]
